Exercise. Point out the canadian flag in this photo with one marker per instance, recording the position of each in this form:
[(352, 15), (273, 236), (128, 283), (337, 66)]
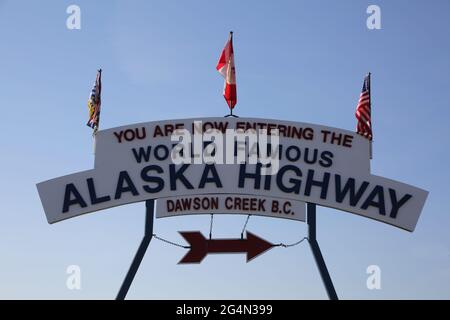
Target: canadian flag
[(225, 66)]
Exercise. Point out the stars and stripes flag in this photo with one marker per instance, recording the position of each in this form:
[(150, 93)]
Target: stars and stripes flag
[(94, 103), (226, 68), (363, 112)]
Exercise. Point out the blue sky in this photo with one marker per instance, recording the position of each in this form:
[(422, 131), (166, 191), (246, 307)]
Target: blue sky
[(295, 60)]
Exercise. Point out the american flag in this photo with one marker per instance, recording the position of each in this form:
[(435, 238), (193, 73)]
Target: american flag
[(363, 112), (94, 103)]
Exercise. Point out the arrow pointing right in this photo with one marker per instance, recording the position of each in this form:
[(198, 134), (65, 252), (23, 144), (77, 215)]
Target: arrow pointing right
[(253, 246)]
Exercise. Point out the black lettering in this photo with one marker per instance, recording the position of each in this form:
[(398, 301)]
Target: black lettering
[(124, 184), (244, 175), (267, 180), (296, 183), (314, 159), (165, 152), (205, 179), (142, 154), (93, 194), (68, 201), (148, 178), (397, 204), (297, 153), (326, 159), (310, 182), (377, 192), (178, 175), (350, 189)]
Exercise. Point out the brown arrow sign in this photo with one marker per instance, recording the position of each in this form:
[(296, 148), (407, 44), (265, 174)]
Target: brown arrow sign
[(253, 246)]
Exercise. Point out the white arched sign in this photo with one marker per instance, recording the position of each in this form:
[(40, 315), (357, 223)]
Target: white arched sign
[(317, 164)]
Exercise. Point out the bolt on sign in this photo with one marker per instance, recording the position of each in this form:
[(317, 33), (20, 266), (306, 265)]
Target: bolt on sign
[(316, 164)]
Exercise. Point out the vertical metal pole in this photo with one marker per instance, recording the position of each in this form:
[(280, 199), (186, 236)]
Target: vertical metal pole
[(311, 214), (148, 234)]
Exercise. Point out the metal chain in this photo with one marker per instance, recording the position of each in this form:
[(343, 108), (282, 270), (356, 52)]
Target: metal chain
[(248, 217), (170, 242), (245, 226), (292, 244)]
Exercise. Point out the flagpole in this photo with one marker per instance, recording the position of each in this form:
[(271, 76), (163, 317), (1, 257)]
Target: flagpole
[(94, 143)]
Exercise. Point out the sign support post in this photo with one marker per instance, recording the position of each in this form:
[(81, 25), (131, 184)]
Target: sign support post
[(311, 220), (148, 235)]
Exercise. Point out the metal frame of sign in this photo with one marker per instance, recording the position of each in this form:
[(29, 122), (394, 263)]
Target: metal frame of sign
[(148, 235)]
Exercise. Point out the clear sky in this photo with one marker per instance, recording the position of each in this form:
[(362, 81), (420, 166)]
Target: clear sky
[(295, 60)]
